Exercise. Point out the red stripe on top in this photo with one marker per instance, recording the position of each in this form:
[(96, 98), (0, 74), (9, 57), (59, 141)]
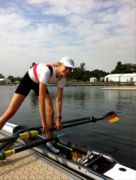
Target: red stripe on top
[(34, 71)]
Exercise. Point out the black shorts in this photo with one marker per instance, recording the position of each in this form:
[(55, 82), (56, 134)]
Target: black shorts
[(26, 85)]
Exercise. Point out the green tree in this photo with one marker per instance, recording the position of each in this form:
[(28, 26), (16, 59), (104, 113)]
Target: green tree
[(14, 79), (81, 74), (11, 78), (118, 68), (98, 74), (78, 73), (82, 67), (124, 68), (2, 76), (86, 76)]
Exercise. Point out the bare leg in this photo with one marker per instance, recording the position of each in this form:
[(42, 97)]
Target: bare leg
[(49, 113), (15, 103)]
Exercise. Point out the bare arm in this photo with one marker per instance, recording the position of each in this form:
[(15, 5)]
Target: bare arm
[(59, 107), (42, 90)]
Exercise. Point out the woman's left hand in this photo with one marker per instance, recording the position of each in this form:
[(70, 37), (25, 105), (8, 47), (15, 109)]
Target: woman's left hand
[(58, 124)]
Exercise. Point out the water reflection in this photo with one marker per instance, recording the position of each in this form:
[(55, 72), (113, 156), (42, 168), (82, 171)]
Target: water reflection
[(121, 99)]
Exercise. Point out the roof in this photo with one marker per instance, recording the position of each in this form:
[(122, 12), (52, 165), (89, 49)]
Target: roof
[(2, 79), (127, 74)]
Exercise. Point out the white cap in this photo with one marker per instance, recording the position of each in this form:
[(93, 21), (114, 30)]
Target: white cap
[(68, 62)]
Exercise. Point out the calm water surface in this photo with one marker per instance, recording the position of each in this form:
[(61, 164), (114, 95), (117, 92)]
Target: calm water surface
[(117, 140)]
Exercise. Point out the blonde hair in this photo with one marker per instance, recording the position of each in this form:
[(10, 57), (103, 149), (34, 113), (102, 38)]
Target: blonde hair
[(57, 64)]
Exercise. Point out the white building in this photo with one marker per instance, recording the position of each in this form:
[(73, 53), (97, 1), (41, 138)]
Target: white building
[(5, 80), (93, 79), (130, 77), (2, 79)]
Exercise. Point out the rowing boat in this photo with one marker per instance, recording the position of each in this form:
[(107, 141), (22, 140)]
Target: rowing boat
[(78, 159)]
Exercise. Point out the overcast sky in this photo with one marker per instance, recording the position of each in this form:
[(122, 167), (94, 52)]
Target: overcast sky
[(97, 32)]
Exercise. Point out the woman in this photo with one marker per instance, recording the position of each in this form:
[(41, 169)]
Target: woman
[(36, 79)]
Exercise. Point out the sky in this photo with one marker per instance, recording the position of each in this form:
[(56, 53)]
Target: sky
[(97, 32)]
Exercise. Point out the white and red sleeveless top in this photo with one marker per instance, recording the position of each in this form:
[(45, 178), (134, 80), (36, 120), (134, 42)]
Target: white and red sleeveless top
[(43, 74)]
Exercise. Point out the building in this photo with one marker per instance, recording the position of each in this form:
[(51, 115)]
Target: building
[(2, 79), (5, 81), (93, 79), (125, 78)]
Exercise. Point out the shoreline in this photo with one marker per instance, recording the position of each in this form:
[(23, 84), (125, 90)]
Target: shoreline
[(106, 85), (132, 88)]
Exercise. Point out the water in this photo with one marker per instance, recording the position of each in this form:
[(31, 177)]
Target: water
[(117, 140)]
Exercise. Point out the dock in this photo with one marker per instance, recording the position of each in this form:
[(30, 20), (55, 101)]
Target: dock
[(24, 166), (28, 165)]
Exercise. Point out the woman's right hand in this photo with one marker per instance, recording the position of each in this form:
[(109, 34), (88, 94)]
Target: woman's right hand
[(45, 129)]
